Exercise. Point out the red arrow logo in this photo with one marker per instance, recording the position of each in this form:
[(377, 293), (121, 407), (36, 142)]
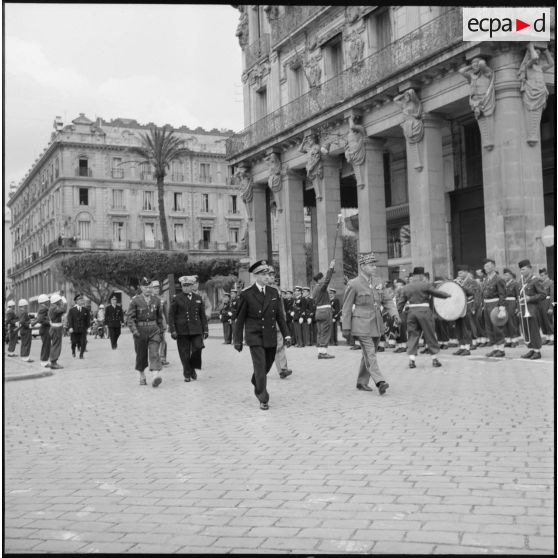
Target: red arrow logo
[(519, 25)]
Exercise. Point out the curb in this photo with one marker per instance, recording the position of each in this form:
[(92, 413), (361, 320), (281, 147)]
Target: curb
[(29, 376)]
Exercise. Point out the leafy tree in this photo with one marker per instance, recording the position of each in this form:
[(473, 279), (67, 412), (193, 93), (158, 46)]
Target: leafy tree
[(160, 147), (224, 282)]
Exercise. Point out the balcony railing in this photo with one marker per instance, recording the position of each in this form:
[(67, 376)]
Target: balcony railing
[(291, 20), (176, 177), (258, 49), (425, 41), (80, 171), (117, 173), (205, 179), (207, 245)]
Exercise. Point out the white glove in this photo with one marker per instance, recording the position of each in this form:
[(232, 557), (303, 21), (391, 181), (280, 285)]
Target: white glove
[(308, 320), (300, 320), (334, 320)]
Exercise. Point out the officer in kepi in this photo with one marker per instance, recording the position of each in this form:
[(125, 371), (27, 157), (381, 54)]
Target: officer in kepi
[(260, 314), (145, 320)]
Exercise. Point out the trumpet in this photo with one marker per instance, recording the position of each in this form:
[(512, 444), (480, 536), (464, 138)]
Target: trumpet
[(524, 314)]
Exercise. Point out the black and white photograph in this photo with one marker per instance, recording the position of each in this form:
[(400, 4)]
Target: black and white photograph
[(203, 202)]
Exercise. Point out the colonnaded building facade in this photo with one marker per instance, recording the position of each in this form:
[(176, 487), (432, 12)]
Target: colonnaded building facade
[(445, 147), (86, 192)]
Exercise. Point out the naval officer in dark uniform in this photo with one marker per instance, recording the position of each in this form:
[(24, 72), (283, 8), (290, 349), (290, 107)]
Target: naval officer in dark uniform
[(259, 313), (188, 325)]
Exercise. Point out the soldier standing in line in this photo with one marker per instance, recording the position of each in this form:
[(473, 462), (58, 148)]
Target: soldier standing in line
[(79, 320), (307, 324), (403, 310), (281, 363), (547, 308), (225, 316), (24, 330), (482, 339), (145, 320), (494, 296), (234, 305), (288, 306), (114, 319), (57, 309), (44, 328), (532, 293), (418, 293), (511, 327), (297, 313), (259, 312), (322, 308), (463, 326), (11, 324), (335, 316), (163, 346), (188, 326)]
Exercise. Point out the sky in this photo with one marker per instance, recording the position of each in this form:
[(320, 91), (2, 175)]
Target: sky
[(166, 64)]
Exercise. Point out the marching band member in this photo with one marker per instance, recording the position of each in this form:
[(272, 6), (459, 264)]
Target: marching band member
[(494, 296), (532, 293), (511, 328)]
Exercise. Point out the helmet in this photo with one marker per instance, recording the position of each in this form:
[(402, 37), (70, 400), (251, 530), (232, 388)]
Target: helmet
[(22, 302), (11, 303), (42, 298), (101, 306), (55, 298)]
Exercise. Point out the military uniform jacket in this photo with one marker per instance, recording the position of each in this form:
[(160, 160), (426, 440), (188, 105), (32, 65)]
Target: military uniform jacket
[(548, 285), (309, 308), (534, 290), (512, 289), (335, 304), (140, 311), (234, 308), (55, 314), (259, 315), (24, 319), (42, 317), (79, 320), (225, 314), (11, 319), (494, 287), (187, 316), (114, 316), (297, 309), (320, 294), (288, 306), (362, 307), (420, 292)]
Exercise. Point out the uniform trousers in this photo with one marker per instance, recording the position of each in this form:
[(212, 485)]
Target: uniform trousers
[(494, 333), (78, 339), (545, 319), (307, 333), (262, 360), (189, 352), (25, 348), (298, 334), (12, 341), (227, 332), (463, 329), (291, 327), (532, 326), (55, 342), (281, 354), (44, 332), (421, 320), (323, 329), (369, 363), (114, 334), (163, 347), (511, 327), (402, 338), (147, 348), (479, 323), (442, 329), (334, 336)]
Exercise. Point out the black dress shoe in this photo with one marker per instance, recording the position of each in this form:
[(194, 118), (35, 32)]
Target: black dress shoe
[(362, 387), (382, 386), (355, 348), (187, 378), (194, 375), (465, 352), (286, 372), (458, 352), (380, 349), (536, 355), (325, 355), (436, 363), (80, 356), (264, 406), (499, 354), (491, 354), (412, 364), (528, 354)]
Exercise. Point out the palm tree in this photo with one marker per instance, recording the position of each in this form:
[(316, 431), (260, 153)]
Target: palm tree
[(160, 147)]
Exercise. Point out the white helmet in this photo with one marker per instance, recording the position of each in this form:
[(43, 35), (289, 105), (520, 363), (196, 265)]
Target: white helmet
[(22, 302), (11, 303), (64, 301), (42, 298), (102, 306), (55, 298)]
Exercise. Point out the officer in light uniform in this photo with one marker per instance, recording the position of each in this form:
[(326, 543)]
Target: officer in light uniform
[(145, 320)]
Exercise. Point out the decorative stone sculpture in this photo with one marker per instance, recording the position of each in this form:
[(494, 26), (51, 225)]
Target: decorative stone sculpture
[(352, 13), (482, 97), (242, 28), (533, 88), (356, 47), (274, 181), (355, 151), (413, 126), (313, 71), (243, 178), (314, 165)]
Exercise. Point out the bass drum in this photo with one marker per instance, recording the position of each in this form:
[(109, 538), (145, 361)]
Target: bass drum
[(454, 307)]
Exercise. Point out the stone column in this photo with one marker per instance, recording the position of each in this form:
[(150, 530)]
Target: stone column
[(372, 229), (427, 202), (327, 212), (257, 226), (512, 174), (290, 228)]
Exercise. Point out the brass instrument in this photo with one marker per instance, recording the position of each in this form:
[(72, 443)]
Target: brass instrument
[(524, 314)]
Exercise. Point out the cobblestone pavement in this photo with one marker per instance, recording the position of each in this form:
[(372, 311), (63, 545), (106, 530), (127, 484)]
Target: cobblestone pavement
[(458, 459)]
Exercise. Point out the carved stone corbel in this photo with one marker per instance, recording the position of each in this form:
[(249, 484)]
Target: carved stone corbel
[(243, 178), (275, 179), (355, 150), (314, 165), (412, 124)]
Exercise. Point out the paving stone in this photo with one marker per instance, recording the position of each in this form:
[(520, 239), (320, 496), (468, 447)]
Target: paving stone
[(494, 540)]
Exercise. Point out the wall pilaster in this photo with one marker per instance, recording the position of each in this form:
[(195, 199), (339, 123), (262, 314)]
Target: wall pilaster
[(257, 225)]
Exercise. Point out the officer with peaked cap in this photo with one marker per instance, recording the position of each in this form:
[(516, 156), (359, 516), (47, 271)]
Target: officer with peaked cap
[(56, 310), (145, 320), (11, 324), (531, 295), (24, 330), (188, 326), (79, 321), (260, 315), (44, 328)]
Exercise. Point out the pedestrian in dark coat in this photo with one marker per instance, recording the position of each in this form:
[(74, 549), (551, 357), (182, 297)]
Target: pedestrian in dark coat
[(188, 326), (258, 317), (114, 318), (79, 320)]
